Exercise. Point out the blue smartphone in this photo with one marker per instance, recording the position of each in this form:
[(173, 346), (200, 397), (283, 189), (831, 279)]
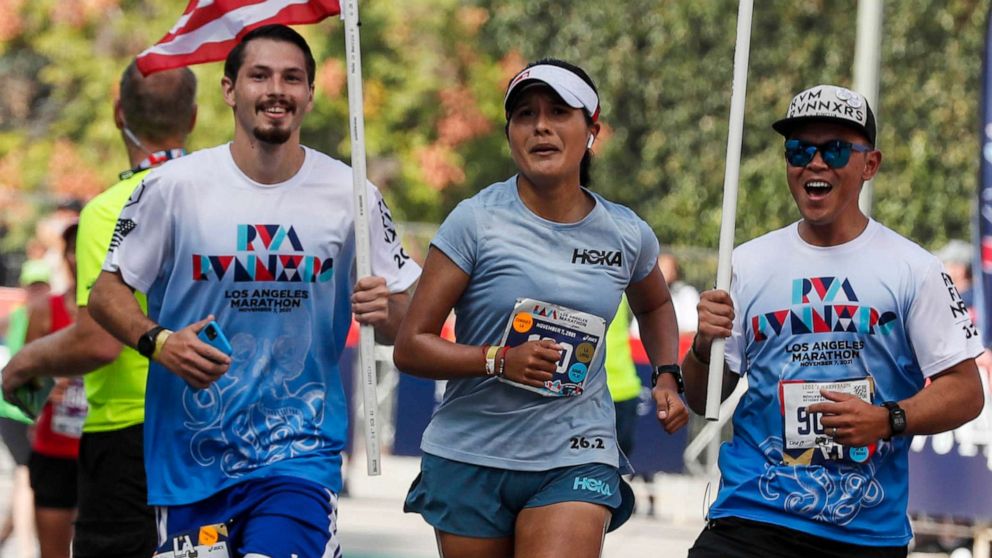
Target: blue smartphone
[(212, 335)]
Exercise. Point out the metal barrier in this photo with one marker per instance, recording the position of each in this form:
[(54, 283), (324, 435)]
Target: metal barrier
[(710, 437)]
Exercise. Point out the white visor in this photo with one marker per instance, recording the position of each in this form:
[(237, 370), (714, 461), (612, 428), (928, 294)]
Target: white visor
[(571, 88)]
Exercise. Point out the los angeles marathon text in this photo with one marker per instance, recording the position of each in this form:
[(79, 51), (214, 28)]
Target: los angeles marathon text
[(822, 353), (265, 300)]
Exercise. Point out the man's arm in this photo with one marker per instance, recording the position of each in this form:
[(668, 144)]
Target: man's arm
[(716, 319), (114, 307), (374, 305), (953, 398), (399, 303), (80, 348), (696, 373)]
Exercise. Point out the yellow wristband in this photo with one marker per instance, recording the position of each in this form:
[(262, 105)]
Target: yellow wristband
[(491, 353), (160, 340)]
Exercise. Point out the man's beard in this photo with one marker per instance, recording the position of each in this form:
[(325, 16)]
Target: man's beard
[(274, 135)]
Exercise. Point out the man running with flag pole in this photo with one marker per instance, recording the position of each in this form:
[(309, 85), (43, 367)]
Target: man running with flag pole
[(247, 459), (205, 33)]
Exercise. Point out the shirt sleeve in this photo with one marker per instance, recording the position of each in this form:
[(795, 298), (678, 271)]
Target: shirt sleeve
[(389, 260), (939, 327), (142, 238), (458, 237), (96, 224), (647, 258)]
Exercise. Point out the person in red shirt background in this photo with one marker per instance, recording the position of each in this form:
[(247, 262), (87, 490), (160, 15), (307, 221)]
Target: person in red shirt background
[(55, 444)]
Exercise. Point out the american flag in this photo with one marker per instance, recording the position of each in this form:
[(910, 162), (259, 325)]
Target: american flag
[(123, 228), (209, 29)]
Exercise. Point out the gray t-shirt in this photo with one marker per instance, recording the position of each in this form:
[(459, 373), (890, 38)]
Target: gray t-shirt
[(511, 253)]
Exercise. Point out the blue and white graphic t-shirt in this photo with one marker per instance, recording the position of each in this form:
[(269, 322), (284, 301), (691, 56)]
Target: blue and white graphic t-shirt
[(275, 265), (509, 253), (877, 314)]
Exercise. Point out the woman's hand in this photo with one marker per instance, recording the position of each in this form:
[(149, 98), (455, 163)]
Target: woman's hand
[(532, 363)]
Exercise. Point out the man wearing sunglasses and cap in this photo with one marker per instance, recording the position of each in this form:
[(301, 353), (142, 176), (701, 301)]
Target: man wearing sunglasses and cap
[(838, 322)]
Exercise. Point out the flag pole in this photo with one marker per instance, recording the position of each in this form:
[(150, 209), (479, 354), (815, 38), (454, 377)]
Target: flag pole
[(714, 383), (867, 61), (356, 115), (982, 222)]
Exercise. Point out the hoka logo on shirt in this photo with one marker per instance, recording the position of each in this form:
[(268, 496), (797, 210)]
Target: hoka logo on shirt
[(592, 485), (257, 265), (597, 257), (822, 305)]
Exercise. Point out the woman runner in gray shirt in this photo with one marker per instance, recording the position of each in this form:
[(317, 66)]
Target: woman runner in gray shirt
[(521, 458)]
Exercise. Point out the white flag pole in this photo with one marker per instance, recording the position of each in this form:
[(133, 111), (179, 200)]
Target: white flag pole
[(867, 61), (356, 112), (714, 383)]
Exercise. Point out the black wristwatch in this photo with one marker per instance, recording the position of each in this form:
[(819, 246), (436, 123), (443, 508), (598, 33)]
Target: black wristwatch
[(146, 343), (672, 369), (897, 418)]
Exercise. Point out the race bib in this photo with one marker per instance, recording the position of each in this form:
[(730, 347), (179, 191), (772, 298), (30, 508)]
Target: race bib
[(209, 541), (806, 441), (68, 417), (580, 335)]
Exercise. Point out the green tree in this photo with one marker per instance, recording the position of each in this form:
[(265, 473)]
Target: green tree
[(435, 72), (664, 71)]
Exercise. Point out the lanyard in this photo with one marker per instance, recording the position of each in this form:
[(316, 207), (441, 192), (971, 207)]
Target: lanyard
[(153, 160)]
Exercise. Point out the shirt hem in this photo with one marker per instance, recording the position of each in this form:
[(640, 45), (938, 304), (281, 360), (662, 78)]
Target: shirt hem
[(817, 530), (87, 429), (166, 500), (947, 363), (510, 464)]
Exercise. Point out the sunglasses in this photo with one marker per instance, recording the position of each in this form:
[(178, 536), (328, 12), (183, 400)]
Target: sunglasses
[(835, 153)]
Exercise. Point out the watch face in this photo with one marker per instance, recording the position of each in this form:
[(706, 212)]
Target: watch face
[(146, 343), (897, 419), (145, 346)]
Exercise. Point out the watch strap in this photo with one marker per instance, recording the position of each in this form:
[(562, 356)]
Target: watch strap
[(673, 369), (146, 343), (897, 418)]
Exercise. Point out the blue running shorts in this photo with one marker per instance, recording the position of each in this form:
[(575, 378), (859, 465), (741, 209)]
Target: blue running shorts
[(483, 502), (274, 517)]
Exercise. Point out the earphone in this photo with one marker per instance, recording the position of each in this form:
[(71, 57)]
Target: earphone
[(592, 140), (134, 139)]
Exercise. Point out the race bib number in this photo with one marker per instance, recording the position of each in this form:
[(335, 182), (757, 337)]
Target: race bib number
[(806, 441), (579, 334)]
